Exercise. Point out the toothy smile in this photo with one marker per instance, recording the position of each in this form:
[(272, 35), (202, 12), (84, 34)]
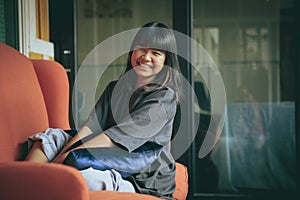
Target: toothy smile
[(143, 65)]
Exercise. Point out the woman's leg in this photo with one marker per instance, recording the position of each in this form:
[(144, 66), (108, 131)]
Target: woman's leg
[(106, 180), (36, 153), (100, 140), (83, 132)]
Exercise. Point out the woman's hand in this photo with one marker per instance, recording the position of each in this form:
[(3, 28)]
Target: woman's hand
[(60, 158)]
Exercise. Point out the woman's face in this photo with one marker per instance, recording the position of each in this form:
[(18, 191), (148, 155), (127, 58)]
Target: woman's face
[(147, 62)]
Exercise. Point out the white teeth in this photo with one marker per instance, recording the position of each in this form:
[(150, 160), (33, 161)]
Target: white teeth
[(144, 65)]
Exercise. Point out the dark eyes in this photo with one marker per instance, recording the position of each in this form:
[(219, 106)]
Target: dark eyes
[(154, 51), (157, 53)]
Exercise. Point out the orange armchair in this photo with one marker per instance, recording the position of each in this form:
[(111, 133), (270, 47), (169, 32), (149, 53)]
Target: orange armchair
[(35, 96)]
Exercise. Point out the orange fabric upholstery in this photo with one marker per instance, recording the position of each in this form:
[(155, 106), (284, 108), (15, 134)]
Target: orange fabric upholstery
[(22, 106), (109, 195), (25, 180), (34, 97), (56, 93), (181, 182)]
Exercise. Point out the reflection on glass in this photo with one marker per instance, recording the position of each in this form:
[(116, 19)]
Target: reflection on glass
[(257, 146)]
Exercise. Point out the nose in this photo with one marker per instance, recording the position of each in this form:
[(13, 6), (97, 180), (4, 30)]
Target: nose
[(147, 56)]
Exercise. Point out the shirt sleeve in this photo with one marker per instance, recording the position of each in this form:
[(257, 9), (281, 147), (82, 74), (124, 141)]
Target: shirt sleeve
[(152, 117)]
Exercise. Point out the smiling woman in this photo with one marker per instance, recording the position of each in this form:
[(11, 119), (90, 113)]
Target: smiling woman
[(147, 63), (141, 135), (153, 57)]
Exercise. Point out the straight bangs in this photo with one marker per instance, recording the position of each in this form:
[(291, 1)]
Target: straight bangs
[(155, 38)]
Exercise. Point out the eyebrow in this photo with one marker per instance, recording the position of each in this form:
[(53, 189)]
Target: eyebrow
[(152, 48)]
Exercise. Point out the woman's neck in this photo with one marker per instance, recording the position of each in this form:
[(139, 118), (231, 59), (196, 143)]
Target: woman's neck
[(143, 81)]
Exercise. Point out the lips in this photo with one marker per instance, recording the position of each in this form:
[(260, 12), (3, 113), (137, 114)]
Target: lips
[(144, 66)]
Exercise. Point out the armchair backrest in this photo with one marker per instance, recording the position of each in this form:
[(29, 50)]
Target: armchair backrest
[(54, 83), (25, 106)]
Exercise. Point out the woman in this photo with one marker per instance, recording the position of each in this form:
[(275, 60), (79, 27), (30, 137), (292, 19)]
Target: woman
[(151, 84)]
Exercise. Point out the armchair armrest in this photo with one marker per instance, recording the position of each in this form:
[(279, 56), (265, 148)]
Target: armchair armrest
[(181, 191), (35, 181)]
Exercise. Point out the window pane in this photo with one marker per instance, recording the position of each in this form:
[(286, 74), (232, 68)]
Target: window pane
[(252, 44), (2, 22), (9, 23)]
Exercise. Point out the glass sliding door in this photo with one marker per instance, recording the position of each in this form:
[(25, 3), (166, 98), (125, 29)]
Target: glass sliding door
[(253, 45)]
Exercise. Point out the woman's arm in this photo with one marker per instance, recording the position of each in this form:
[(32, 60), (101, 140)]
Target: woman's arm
[(82, 133), (36, 153)]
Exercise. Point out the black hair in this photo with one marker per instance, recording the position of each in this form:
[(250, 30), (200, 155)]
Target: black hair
[(159, 36)]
